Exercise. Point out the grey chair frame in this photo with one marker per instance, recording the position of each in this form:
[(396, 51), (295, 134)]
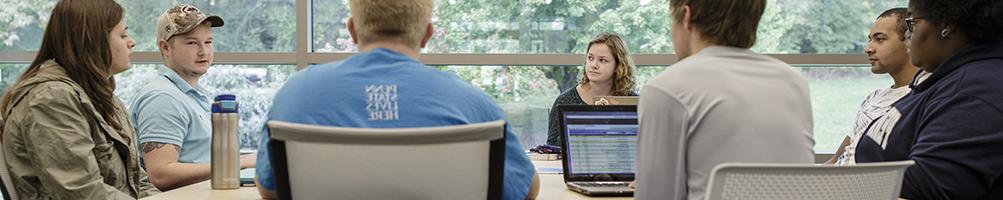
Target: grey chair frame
[(281, 132)]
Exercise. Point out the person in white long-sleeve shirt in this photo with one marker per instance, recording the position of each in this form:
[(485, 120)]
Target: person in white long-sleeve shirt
[(720, 103)]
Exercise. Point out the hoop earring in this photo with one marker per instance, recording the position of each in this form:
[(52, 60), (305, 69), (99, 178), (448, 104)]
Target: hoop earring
[(944, 33)]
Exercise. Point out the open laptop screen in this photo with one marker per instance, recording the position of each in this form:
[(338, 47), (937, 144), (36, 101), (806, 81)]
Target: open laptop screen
[(600, 141)]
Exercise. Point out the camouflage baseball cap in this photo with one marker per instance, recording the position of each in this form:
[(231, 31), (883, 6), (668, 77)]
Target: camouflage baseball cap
[(183, 18)]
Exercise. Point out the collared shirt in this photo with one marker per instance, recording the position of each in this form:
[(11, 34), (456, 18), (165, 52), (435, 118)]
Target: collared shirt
[(169, 110), (385, 89)]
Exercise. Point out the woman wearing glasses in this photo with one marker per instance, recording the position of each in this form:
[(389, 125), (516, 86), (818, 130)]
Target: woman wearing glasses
[(951, 124), (65, 134), (609, 71)]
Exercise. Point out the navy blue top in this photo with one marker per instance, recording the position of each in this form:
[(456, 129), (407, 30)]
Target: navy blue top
[(951, 125)]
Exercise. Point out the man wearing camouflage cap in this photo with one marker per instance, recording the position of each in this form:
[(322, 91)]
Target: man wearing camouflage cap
[(171, 112)]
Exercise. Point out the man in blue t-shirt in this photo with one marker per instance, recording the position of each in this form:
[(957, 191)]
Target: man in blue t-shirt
[(385, 86)]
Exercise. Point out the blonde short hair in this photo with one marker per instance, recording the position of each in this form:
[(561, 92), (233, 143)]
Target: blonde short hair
[(400, 21)]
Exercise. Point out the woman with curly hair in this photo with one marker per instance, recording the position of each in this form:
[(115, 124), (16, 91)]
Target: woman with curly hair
[(609, 71), (950, 123)]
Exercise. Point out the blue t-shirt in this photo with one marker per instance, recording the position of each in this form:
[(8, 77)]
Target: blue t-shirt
[(385, 89)]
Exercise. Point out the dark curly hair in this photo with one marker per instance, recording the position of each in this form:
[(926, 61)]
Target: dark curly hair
[(981, 21)]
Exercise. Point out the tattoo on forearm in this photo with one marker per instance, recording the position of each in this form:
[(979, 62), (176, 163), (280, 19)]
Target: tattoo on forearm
[(147, 147)]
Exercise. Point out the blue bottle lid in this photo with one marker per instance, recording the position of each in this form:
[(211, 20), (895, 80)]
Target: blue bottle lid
[(225, 103), (226, 97)]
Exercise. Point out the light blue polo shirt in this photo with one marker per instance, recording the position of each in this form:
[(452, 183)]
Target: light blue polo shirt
[(169, 110), (385, 89)]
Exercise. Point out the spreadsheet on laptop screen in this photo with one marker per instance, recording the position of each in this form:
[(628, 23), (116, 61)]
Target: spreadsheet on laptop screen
[(601, 142)]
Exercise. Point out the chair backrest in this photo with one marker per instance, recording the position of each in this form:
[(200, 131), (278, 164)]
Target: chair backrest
[(6, 184), (447, 162), (806, 181)]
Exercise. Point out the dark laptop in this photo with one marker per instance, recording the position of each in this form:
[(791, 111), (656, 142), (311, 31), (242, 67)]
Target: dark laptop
[(247, 177), (599, 146)]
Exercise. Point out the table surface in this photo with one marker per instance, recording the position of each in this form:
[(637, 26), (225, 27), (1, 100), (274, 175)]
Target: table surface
[(551, 187)]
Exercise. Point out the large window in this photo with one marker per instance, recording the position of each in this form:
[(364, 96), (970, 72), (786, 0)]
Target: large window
[(532, 48), (251, 26), (9, 74), (23, 22), (254, 86), (836, 94), (564, 26)]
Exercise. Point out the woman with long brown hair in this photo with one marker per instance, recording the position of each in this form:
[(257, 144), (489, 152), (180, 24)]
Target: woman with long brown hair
[(609, 71), (65, 134)]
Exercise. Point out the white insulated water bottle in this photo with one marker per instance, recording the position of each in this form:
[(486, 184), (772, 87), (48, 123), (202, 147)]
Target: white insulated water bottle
[(225, 149)]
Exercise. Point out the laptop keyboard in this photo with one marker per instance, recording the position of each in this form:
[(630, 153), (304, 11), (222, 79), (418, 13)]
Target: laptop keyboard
[(602, 184)]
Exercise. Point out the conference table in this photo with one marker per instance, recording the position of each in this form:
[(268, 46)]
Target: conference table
[(551, 187)]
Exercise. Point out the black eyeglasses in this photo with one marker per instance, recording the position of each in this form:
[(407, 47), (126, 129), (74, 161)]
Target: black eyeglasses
[(910, 23)]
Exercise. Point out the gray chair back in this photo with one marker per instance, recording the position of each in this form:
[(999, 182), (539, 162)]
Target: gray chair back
[(447, 162), (806, 181)]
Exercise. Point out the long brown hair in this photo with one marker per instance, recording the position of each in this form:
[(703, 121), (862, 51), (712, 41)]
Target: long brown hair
[(623, 72), (77, 38)]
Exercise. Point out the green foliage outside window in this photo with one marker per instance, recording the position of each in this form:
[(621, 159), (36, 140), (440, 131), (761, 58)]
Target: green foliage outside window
[(492, 26)]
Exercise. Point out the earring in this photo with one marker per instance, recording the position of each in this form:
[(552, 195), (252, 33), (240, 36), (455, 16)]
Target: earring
[(945, 32)]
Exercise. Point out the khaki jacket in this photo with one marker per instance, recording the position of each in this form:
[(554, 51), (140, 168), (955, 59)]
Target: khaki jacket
[(57, 146)]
